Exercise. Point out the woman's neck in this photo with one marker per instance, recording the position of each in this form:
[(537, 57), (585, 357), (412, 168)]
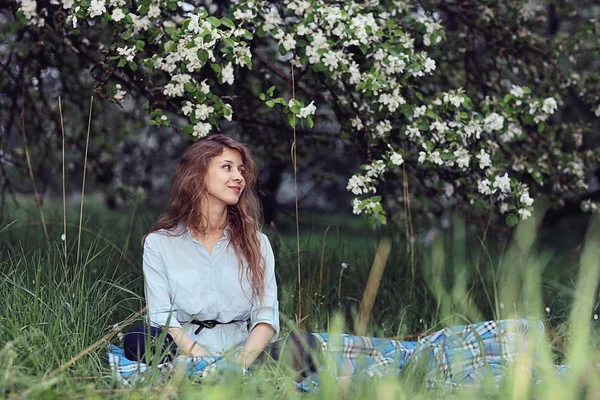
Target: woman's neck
[(217, 217)]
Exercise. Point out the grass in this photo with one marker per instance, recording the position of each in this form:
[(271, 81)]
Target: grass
[(50, 312)]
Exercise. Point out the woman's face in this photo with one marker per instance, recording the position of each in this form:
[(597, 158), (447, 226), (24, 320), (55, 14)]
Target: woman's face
[(225, 178)]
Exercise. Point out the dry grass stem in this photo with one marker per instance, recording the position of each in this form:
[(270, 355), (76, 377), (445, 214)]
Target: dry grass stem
[(28, 158), (410, 234), (87, 143), (64, 182), (366, 305), (293, 153)]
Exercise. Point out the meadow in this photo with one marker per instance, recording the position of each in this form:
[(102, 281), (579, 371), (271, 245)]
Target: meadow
[(58, 314)]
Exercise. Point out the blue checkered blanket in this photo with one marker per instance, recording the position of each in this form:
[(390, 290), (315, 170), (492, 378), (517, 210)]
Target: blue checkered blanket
[(455, 355)]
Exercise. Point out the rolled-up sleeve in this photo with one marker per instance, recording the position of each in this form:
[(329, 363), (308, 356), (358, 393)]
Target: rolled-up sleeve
[(156, 287), (267, 311)]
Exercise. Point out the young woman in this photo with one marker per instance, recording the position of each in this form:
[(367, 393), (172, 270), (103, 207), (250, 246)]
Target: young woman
[(208, 270)]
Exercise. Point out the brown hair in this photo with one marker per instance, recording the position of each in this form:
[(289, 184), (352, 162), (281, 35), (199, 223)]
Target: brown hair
[(244, 219)]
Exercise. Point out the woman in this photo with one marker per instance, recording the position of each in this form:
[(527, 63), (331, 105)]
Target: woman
[(208, 270)]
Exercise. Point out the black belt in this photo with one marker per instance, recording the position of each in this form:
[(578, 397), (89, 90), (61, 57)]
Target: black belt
[(211, 323)]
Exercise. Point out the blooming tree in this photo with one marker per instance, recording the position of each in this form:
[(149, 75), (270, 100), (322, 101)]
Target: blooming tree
[(374, 61)]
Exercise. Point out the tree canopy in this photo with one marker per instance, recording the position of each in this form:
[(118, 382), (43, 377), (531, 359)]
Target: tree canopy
[(469, 105)]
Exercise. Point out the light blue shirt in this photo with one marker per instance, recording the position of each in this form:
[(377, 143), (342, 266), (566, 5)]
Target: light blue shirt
[(182, 282)]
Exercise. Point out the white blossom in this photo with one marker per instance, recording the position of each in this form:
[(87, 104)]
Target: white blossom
[(413, 132), (419, 111), (429, 65), (375, 169), (454, 99), (436, 158), (127, 52), (356, 207), (483, 186), (201, 129), (525, 199), (119, 94), (396, 158), (117, 15), (203, 111), (204, 88), (524, 213), (462, 158), (502, 183), (359, 184), (153, 11), (187, 108), (356, 123), (227, 74), (272, 19), (512, 131), (97, 7), (308, 110), (382, 128), (247, 14), (549, 106), (493, 122), (597, 112), (517, 91), (484, 159), (289, 43)]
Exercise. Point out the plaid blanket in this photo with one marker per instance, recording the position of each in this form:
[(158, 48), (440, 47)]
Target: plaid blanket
[(454, 355)]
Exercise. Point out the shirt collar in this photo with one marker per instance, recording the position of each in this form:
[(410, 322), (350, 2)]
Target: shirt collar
[(226, 233)]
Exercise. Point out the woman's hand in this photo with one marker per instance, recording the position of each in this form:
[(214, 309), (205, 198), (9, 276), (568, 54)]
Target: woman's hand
[(186, 344), (259, 338)]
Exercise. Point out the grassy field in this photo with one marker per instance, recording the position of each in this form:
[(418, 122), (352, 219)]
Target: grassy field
[(52, 310)]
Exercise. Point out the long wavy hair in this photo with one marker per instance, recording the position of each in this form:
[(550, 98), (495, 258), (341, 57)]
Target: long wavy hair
[(188, 191)]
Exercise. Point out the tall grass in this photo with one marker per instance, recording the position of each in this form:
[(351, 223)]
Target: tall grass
[(50, 311)]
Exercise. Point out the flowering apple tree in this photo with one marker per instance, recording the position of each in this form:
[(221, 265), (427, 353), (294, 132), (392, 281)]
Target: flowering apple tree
[(370, 63)]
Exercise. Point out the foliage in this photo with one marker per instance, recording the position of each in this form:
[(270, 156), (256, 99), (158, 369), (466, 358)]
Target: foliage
[(492, 146)]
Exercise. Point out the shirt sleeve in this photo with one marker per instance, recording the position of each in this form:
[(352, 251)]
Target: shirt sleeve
[(267, 311), (156, 287)]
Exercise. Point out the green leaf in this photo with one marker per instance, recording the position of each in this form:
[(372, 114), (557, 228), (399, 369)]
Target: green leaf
[(467, 103), (228, 23), (215, 22), (152, 122), (382, 219), (270, 91), (216, 68), (132, 65), (248, 35), (262, 96), (122, 63), (431, 114), (139, 44), (189, 87), (202, 55), (511, 220), (170, 46), (309, 121), (189, 129), (292, 119), (270, 103)]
